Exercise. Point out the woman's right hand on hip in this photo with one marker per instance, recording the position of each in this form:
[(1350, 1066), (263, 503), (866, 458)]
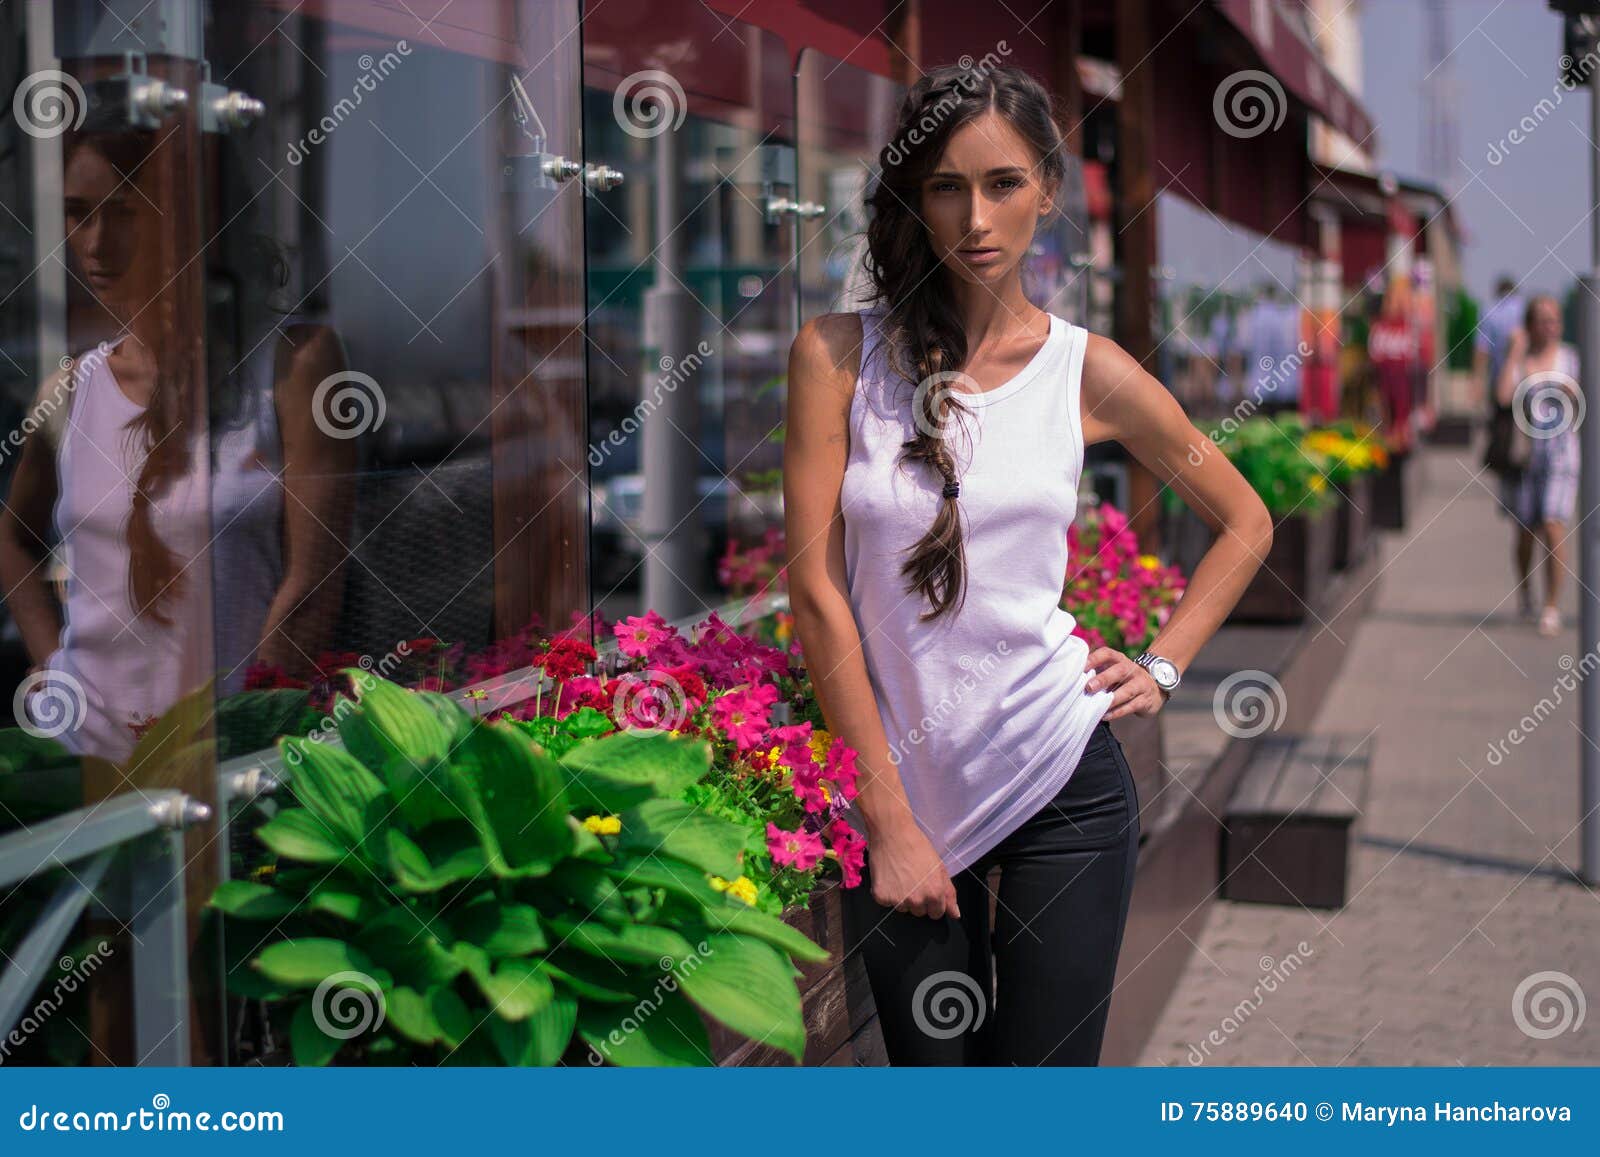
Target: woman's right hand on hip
[(908, 876)]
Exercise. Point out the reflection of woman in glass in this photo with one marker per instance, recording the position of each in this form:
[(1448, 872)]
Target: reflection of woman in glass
[(933, 457), (145, 507)]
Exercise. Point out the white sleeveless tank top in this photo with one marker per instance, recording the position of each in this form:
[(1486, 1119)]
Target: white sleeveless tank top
[(984, 709), (129, 667)]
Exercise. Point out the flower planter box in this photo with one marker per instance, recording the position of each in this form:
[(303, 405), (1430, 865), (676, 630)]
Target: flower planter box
[(1295, 573), (1353, 523), (1389, 486)]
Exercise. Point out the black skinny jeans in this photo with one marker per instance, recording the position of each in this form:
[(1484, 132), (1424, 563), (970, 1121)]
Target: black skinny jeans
[(1036, 988)]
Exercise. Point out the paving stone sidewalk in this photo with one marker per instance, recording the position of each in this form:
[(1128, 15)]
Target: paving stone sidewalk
[(1463, 887)]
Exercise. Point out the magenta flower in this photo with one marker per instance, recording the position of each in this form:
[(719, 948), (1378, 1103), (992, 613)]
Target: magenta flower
[(744, 714), (798, 850), (850, 847), (639, 636)]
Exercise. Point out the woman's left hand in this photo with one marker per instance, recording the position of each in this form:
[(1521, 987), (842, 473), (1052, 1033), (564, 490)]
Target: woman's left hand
[(1137, 692)]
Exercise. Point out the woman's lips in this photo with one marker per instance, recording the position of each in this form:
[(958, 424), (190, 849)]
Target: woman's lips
[(979, 256)]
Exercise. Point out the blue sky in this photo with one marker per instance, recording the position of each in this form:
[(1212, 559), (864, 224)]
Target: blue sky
[(1528, 215)]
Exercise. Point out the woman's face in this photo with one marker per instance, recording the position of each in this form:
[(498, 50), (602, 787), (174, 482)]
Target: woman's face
[(983, 200), (1546, 323), (102, 222)]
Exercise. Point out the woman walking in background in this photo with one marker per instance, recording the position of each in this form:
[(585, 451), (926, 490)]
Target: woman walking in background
[(1539, 379), (934, 448)]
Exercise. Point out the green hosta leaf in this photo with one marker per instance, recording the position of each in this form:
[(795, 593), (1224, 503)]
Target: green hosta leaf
[(245, 900), (413, 871), (350, 906), (400, 941), (737, 917), (499, 929), (521, 809), (456, 1022), (662, 872), (338, 789), (585, 844), (592, 889), (587, 977), (749, 987), (685, 832), (412, 740), (307, 963), (539, 1040), (618, 771), (631, 944), (310, 1046), (411, 1015), (670, 1033), (516, 989), (299, 835)]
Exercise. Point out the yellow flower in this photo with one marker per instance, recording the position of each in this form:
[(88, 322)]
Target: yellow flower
[(719, 883), (1149, 562), (1318, 484), (783, 632), (744, 889), (826, 794), (820, 742), (603, 825)]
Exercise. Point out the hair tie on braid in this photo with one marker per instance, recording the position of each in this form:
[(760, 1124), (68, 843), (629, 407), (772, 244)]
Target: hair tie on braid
[(952, 489)]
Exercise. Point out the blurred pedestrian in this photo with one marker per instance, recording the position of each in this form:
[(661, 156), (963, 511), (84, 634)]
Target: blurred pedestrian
[(1539, 381), (1502, 319)]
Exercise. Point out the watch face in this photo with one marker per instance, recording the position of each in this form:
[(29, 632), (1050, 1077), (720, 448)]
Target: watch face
[(1164, 672)]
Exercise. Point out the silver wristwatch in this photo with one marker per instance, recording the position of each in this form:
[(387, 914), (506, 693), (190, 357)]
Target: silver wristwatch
[(1163, 671)]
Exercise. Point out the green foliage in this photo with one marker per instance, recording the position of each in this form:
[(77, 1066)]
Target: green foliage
[(434, 868)]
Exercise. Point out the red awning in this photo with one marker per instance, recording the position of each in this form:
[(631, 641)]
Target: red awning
[(1285, 53)]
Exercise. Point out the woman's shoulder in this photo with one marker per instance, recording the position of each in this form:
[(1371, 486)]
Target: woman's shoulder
[(828, 348)]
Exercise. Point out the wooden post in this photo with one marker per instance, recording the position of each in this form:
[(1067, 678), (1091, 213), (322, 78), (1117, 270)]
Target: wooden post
[(1136, 230)]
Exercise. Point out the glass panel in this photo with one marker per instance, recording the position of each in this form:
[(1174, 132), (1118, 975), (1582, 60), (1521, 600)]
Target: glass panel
[(692, 307), (397, 335), (105, 534)]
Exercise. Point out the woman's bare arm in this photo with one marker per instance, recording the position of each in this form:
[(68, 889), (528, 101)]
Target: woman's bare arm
[(1125, 404), (24, 533), (823, 364), (319, 479)]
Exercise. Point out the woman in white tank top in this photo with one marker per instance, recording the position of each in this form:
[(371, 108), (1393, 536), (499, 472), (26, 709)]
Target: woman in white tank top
[(933, 458)]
